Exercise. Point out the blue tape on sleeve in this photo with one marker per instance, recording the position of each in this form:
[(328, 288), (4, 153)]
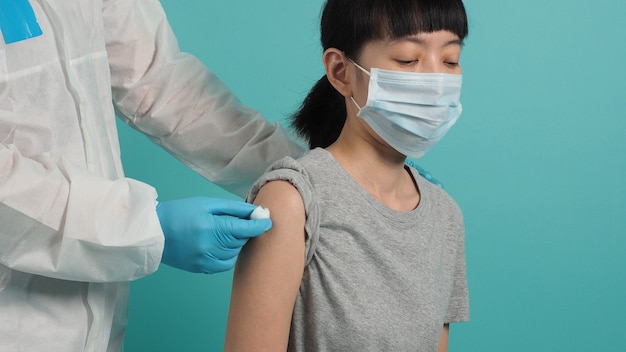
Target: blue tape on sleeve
[(18, 21)]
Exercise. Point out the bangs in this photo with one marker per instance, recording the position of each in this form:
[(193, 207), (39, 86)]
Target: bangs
[(399, 18), (349, 24)]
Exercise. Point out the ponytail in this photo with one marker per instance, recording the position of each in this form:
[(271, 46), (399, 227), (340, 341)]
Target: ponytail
[(321, 116)]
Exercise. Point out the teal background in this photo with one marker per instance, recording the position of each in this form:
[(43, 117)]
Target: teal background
[(536, 162)]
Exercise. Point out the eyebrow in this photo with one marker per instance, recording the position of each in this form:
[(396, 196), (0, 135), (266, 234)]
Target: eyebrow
[(422, 42)]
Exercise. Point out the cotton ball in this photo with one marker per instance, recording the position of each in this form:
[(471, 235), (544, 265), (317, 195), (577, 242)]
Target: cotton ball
[(260, 213)]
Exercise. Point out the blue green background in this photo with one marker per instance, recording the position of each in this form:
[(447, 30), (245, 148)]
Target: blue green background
[(536, 162)]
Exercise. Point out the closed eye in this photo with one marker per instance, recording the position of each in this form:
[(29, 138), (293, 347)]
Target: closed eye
[(407, 62)]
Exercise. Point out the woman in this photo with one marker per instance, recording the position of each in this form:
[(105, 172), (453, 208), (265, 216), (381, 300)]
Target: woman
[(364, 254)]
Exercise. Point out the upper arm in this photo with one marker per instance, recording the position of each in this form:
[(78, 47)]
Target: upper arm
[(268, 274), (443, 339)]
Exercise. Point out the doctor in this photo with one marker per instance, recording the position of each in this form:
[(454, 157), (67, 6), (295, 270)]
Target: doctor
[(73, 230)]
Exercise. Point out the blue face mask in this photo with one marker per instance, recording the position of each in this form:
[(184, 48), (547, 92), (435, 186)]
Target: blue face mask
[(411, 111)]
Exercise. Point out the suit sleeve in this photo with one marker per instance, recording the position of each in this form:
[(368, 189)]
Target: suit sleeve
[(61, 221), (181, 105)]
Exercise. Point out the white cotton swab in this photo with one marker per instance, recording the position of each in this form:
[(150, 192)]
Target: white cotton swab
[(260, 213)]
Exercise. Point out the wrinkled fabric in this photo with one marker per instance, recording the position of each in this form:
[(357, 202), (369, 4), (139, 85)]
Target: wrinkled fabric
[(74, 229)]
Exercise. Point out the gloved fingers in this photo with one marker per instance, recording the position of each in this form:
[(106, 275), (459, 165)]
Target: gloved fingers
[(235, 232), (243, 229), (227, 244), (218, 266), (208, 260), (229, 207)]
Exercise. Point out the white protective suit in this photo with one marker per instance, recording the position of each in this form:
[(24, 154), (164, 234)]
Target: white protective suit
[(73, 230)]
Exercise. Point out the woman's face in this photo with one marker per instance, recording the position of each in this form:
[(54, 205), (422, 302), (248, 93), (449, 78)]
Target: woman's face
[(435, 52)]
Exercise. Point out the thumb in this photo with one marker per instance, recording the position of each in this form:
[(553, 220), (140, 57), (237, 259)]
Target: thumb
[(238, 209), (243, 228)]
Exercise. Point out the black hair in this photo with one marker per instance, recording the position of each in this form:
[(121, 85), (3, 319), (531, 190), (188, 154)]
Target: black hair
[(348, 25)]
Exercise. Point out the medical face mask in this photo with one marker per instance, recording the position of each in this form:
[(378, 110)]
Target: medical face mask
[(411, 111)]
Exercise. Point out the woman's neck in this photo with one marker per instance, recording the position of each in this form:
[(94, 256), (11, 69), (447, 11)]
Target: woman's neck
[(381, 174)]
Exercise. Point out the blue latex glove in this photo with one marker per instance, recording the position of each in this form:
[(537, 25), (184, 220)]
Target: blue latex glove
[(205, 235), (425, 174)]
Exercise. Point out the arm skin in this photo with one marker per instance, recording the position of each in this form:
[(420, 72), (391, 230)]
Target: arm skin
[(443, 339), (268, 274)]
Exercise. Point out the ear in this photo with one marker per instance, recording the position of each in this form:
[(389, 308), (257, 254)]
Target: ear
[(337, 71)]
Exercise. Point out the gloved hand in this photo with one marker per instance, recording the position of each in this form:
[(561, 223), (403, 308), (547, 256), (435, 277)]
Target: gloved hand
[(205, 235)]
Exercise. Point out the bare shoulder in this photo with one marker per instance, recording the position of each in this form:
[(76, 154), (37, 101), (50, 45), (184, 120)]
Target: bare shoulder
[(283, 200)]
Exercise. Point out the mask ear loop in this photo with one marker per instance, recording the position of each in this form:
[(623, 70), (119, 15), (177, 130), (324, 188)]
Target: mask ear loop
[(355, 103), (362, 69), (359, 66)]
